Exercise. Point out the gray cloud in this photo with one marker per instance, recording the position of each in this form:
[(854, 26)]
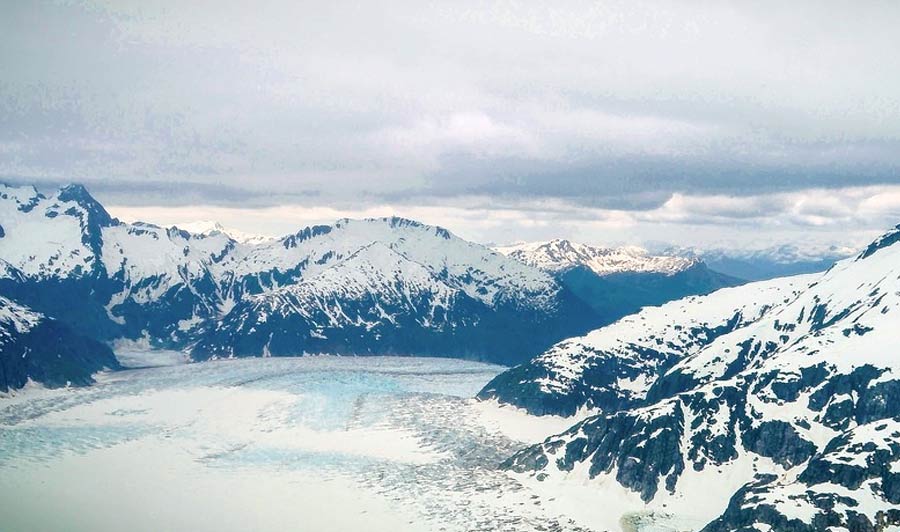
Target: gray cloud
[(602, 105)]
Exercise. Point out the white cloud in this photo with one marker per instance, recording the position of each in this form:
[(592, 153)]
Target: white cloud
[(846, 218), (316, 95), (615, 121)]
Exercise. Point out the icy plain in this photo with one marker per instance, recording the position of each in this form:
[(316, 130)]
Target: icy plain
[(308, 444)]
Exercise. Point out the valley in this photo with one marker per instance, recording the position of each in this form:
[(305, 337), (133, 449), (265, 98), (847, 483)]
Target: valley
[(432, 383), (336, 443)]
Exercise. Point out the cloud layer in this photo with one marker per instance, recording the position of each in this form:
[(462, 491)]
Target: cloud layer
[(818, 221), (657, 112)]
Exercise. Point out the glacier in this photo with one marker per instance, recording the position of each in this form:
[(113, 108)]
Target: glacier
[(312, 443)]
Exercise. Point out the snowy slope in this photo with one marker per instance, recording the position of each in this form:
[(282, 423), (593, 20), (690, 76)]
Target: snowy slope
[(36, 348), (560, 254), (15, 320), (792, 410), (470, 267), (48, 236), (339, 298), (201, 291), (401, 296), (612, 367)]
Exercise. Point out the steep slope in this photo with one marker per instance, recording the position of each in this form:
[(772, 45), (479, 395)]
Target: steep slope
[(617, 282), (34, 347), (56, 237), (793, 413), (77, 264), (613, 367), (64, 256), (852, 484), (393, 286)]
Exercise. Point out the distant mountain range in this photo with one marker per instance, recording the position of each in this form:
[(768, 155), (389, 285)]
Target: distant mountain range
[(767, 263), (211, 228), (770, 406), (560, 254), (377, 286), (385, 286), (619, 281), (735, 263)]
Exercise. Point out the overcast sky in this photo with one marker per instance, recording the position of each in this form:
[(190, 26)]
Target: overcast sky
[(691, 122)]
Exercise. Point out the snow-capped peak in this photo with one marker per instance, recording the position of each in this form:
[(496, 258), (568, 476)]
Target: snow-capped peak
[(210, 227), (561, 254)]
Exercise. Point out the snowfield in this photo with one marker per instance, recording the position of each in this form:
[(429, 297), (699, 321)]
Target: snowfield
[(561, 254), (314, 444)]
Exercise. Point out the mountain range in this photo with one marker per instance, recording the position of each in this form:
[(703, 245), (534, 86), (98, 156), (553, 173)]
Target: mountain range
[(766, 263), (617, 282), (770, 406), (375, 286)]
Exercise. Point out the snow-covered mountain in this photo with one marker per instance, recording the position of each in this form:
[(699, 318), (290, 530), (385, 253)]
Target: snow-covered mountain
[(561, 254), (210, 227), (389, 285), (36, 348), (612, 368), (617, 282), (771, 406)]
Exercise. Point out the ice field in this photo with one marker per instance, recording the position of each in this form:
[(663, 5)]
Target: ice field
[(307, 444)]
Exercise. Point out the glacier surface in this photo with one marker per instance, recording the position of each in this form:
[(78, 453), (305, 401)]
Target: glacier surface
[(315, 443)]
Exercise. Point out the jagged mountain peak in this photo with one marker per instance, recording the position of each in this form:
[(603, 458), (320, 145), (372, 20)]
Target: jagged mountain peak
[(55, 236), (78, 194), (74, 191), (561, 254)]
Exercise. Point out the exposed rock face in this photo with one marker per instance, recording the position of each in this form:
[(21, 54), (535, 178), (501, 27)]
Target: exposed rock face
[(792, 401), (35, 348), (857, 471), (612, 368)]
